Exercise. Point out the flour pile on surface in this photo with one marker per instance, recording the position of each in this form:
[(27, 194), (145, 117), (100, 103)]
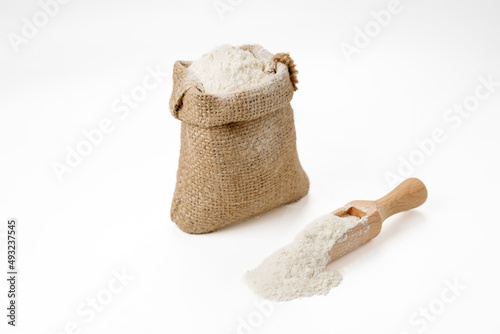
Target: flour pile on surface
[(299, 269), (228, 69)]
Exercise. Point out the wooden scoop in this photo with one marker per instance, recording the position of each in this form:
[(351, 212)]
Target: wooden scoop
[(410, 194)]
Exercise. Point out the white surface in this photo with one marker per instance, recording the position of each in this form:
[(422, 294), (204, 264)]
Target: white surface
[(353, 121)]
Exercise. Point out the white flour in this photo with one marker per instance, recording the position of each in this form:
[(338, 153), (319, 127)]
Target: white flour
[(299, 269), (228, 69)]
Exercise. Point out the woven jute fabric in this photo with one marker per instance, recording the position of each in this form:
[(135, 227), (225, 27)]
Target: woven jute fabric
[(238, 155)]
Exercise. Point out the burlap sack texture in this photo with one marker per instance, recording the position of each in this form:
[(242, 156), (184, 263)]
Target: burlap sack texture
[(238, 155)]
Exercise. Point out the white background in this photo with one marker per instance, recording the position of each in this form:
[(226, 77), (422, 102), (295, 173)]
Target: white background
[(354, 121)]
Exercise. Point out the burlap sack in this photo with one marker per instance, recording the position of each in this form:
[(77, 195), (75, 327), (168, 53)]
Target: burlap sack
[(238, 155)]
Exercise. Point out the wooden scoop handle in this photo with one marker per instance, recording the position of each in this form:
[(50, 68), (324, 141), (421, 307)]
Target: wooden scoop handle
[(410, 194)]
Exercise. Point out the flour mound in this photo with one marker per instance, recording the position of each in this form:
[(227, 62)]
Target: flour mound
[(229, 69), (299, 269)]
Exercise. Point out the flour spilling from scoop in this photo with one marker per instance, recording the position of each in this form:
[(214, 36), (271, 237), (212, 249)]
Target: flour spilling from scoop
[(299, 269)]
